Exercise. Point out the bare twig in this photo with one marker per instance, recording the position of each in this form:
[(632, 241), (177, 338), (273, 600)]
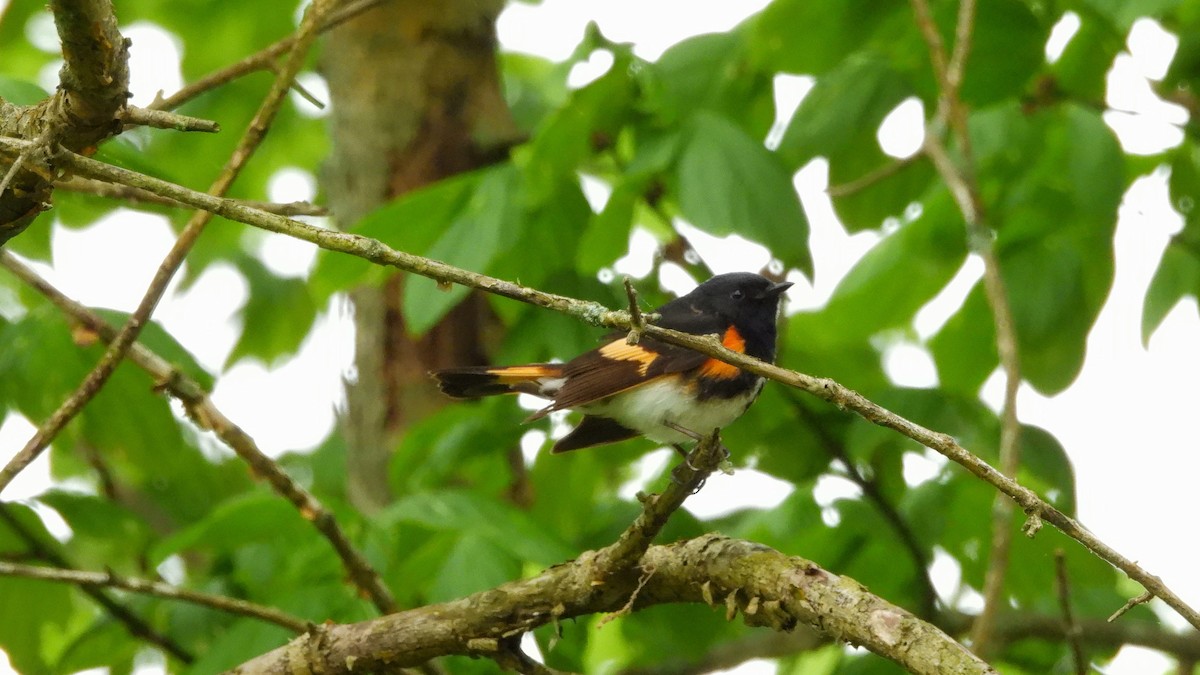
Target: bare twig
[(156, 588), (140, 196), (867, 180), (12, 171), (1131, 603), (686, 478), (96, 379), (162, 119), (200, 408), (136, 626), (263, 60), (960, 179), (596, 314), (1070, 627), (636, 320)]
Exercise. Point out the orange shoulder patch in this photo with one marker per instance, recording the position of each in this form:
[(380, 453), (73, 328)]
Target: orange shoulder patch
[(619, 350), (733, 341)]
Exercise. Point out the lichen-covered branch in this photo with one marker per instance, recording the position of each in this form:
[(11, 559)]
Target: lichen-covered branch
[(768, 588)]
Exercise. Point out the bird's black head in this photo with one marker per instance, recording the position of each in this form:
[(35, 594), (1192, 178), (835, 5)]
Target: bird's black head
[(748, 301)]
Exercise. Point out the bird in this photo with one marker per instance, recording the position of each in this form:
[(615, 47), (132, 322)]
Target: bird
[(665, 393)]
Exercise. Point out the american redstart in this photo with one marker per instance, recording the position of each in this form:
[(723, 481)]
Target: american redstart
[(668, 394)]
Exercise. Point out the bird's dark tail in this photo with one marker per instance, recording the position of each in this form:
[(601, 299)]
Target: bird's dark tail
[(539, 379)]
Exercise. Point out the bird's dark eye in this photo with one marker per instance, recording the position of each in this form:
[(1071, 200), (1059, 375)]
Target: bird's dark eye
[(737, 295)]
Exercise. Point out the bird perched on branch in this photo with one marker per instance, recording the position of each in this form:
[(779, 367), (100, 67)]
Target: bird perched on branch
[(667, 393)]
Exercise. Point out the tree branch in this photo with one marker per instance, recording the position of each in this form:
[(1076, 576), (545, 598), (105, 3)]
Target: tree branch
[(959, 177), (161, 119), (596, 314), (769, 588), (1070, 626), (156, 588), (201, 410), (93, 87), (138, 196), (263, 60), (133, 623)]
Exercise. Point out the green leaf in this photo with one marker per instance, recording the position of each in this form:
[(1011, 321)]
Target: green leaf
[(486, 227), (20, 92), (607, 235), (964, 350), (30, 610), (1177, 276), (839, 119), (1178, 273), (842, 113), (898, 275), (729, 183), (589, 121), (104, 533), (411, 223), (242, 520), (105, 644), (1054, 180), (1046, 467), (158, 340), (475, 563), (276, 318), (240, 641), (1003, 57), (1082, 68), (468, 512), (831, 31), (711, 72)]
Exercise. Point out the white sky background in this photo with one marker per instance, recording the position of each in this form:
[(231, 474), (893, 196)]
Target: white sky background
[(1131, 410)]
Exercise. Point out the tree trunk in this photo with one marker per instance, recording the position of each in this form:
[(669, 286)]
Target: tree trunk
[(416, 97)]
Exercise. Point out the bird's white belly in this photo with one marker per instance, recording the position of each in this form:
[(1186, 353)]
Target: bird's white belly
[(647, 409)]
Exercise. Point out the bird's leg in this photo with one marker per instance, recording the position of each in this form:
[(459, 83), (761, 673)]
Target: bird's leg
[(687, 455)]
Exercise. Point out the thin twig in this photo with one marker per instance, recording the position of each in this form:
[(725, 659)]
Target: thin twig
[(156, 588), (960, 179), (636, 320), (1070, 627), (596, 314), (1131, 603), (162, 119), (200, 409), (139, 196), (12, 171), (96, 379), (872, 177), (136, 626), (262, 60), (686, 479)]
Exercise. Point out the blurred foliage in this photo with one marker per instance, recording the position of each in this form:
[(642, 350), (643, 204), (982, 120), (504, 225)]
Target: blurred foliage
[(681, 137)]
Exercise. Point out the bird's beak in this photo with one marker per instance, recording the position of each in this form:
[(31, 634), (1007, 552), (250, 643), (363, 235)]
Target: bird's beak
[(776, 290)]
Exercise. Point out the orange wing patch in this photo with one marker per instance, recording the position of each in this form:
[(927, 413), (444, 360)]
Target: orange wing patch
[(732, 340), (619, 350), (523, 373)]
